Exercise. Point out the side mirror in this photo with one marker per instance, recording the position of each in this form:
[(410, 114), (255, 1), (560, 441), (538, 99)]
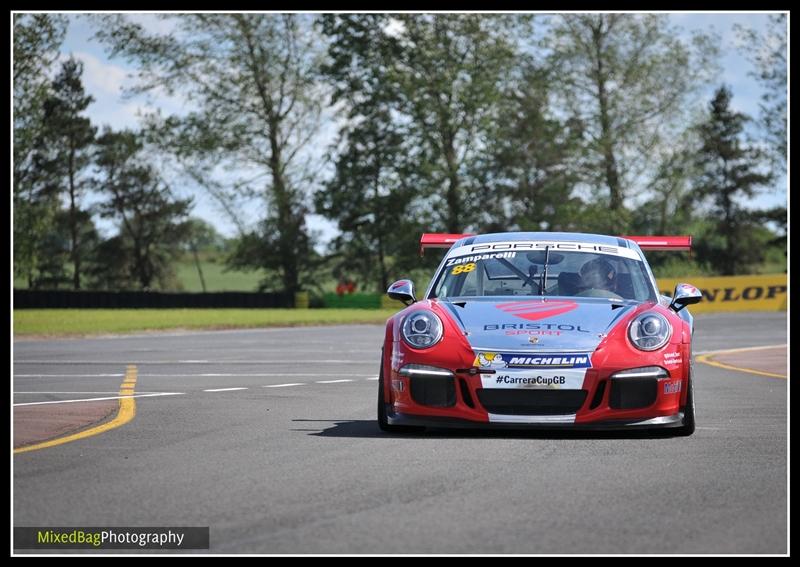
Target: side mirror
[(685, 294), (402, 290)]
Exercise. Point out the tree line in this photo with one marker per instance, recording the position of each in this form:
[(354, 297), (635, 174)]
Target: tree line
[(447, 122)]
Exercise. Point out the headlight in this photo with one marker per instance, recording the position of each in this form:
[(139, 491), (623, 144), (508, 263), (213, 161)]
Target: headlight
[(422, 329), (649, 331)]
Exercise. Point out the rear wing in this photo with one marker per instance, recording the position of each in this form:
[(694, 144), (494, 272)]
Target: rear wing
[(438, 240), (674, 243)]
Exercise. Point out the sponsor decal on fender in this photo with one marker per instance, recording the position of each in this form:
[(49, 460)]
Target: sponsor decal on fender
[(516, 360), (672, 387), (397, 357), (672, 358)]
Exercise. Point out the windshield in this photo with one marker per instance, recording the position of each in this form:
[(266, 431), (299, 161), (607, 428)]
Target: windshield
[(544, 272)]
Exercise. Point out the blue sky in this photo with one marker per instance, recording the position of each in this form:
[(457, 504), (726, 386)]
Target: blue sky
[(104, 79)]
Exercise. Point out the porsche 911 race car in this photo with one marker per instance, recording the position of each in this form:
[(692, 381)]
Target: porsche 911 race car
[(540, 329)]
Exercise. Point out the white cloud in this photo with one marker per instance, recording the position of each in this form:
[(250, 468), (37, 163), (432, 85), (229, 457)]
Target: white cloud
[(153, 23), (100, 76)]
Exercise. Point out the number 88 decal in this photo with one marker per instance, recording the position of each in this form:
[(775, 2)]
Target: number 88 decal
[(463, 269)]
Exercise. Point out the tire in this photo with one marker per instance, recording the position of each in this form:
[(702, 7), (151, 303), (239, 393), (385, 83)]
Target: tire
[(383, 421), (688, 412)]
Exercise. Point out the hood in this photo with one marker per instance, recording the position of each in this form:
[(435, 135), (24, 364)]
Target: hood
[(538, 325)]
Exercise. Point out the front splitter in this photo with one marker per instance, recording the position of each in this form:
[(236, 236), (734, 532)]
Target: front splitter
[(535, 422)]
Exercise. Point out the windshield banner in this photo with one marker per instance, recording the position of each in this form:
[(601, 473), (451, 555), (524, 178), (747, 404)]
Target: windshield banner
[(492, 249)]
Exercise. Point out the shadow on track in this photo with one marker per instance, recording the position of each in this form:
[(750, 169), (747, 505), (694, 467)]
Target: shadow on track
[(369, 429)]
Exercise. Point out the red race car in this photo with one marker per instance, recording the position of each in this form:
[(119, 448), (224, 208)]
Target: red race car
[(540, 329)]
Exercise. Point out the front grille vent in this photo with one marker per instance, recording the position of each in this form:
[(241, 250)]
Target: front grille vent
[(531, 402)]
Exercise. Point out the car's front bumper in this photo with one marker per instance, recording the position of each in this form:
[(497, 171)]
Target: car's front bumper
[(553, 422)]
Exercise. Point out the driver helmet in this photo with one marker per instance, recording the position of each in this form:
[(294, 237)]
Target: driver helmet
[(599, 274)]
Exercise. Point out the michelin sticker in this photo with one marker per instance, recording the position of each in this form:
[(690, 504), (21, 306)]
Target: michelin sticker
[(539, 371), (516, 360)]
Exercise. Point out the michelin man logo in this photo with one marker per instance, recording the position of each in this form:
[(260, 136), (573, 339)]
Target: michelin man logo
[(490, 360)]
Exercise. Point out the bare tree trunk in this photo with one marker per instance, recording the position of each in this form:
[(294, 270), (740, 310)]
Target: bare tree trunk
[(383, 274), (454, 217), (286, 221), (73, 224), (606, 128), (197, 264)]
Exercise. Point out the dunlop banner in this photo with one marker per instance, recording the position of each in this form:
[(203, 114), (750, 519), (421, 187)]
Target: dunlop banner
[(734, 293)]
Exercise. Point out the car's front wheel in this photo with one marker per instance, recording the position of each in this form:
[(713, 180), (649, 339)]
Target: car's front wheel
[(688, 411)]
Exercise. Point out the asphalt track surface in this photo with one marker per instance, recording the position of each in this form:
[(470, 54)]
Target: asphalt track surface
[(304, 469)]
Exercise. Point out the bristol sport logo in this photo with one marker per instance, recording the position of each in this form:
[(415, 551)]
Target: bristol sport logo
[(535, 310)]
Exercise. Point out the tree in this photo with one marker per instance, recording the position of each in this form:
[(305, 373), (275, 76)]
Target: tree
[(450, 75), (37, 38), (421, 95), (63, 151), (256, 105), (201, 236), (377, 159), (36, 41), (370, 197), (152, 220), (727, 174), (55, 249), (628, 77), (528, 175), (668, 208), (768, 53)]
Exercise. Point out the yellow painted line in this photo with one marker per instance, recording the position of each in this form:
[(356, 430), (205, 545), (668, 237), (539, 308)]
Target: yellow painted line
[(744, 349), (707, 358), (125, 413)]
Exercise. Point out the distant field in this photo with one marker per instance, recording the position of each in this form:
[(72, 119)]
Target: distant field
[(79, 322), (216, 279), (187, 277)]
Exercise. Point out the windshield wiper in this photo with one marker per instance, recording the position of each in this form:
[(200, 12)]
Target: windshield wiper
[(526, 279), (544, 272)]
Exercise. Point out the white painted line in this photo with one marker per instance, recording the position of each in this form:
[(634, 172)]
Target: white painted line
[(256, 374), (68, 375), (212, 362), (73, 392), (225, 389), (101, 399), (331, 381), (372, 378), (284, 385)]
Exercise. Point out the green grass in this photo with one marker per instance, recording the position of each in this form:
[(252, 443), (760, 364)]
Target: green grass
[(188, 279), (215, 278), (81, 322)]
